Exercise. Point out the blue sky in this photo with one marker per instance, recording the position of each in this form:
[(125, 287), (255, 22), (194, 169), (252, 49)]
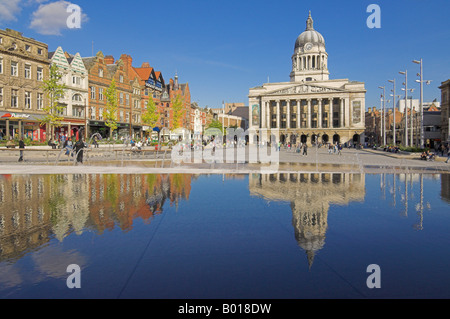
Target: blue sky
[(223, 48)]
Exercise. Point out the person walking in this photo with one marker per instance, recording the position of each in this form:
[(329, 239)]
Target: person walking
[(448, 153), (79, 150), (21, 147), (305, 149)]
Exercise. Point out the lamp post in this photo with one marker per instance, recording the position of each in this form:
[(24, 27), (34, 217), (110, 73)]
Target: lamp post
[(406, 101), (383, 114), (393, 109), (420, 75)]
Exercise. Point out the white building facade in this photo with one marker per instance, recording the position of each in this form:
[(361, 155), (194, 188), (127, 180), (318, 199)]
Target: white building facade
[(310, 108), (75, 77)]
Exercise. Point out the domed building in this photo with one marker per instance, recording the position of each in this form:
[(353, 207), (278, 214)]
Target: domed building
[(311, 108)]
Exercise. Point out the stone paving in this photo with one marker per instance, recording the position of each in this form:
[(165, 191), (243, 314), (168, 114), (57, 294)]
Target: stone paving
[(44, 160)]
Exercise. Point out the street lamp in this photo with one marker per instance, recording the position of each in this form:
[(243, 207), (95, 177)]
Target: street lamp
[(411, 135), (393, 109), (406, 99), (422, 137), (383, 114)]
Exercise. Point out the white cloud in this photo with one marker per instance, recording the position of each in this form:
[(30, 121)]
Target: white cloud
[(51, 18), (9, 9)]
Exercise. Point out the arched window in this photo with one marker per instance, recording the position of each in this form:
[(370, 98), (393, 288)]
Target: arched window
[(77, 98)]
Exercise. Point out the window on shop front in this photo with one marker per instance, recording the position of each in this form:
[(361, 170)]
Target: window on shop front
[(40, 101), (14, 98), (27, 71), (40, 74), (14, 68), (28, 100)]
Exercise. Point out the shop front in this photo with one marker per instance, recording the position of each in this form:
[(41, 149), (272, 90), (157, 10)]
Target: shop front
[(16, 125)]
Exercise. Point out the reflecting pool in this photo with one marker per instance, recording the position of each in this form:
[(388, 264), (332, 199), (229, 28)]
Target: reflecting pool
[(279, 236)]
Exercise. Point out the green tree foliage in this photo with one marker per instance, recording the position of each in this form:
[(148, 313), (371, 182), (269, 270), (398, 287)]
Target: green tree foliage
[(54, 90), (110, 113), (216, 124), (151, 115), (178, 111)]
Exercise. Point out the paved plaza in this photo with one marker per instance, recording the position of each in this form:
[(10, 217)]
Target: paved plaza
[(119, 159)]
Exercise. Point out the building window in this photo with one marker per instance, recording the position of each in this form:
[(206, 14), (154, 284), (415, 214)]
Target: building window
[(76, 80), (1, 96), (27, 71), (1, 65), (77, 98), (92, 92), (128, 99), (121, 116), (40, 101), (40, 74), (14, 98), (100, 73), (77, 112), (127, 117), (100, 94), (14, 68), (100, 114), (93, 115), (136, 104), (28, 100), (28, 47), (39, 51), (121, 98), (121, 78)]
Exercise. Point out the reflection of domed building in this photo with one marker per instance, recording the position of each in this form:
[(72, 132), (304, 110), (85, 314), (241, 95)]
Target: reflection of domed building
[(311, 107), (310, 195)]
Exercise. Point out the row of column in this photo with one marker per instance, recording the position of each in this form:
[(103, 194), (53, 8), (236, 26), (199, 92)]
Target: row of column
[(309, 62), (267, 120)]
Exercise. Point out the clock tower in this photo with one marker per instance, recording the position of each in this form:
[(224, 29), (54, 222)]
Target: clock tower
[(310, 59)]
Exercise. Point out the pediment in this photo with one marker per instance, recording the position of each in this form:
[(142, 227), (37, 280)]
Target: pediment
[(305, 89)]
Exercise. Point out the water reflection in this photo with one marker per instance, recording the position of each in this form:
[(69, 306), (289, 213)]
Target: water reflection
[(310, 195), (35, 208)]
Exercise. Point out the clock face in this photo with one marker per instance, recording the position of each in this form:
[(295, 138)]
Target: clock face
[(308, 46)]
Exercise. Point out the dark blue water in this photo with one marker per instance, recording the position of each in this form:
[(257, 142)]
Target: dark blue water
[(225, 236)]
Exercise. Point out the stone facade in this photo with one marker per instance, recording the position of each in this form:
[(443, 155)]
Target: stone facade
[(24, 65), (75, 100), (310, 108), (445, 114)]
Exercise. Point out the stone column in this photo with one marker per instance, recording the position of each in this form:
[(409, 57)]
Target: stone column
[(330, 123), (288, 114), (263, 114), (298, 114), (341, 112), (308, 113), (7, 130), (347, 112), (20, 129), (319, 120), (278, 114)]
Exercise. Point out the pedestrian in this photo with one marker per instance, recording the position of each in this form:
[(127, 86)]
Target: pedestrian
[(79, 150), (448, 154), (339, 148), (21, 147), (305, 149)]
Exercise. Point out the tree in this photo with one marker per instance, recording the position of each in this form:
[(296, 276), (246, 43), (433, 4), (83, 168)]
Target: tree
[(54, 90), (178, 111), (216, 124), (151, 115), (110, 114)]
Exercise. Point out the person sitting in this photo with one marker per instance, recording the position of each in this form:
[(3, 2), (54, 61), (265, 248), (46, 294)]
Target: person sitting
[(423, 156), (431, 156)]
